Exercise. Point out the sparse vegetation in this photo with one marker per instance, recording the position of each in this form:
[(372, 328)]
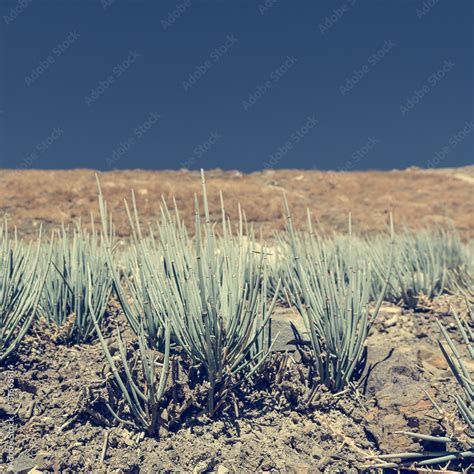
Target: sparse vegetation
[(21, 283), (199, 327), (212, 290), (332, 296), (76, 256), (136, 384)]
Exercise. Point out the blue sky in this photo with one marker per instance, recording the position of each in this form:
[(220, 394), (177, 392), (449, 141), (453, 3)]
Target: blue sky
[(236, 84)]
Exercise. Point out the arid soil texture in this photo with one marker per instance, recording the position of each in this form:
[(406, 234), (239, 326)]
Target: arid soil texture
[(269, 427), (418, 198), (273, 432)]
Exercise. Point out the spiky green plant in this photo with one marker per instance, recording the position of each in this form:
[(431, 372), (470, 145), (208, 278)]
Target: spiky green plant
[(333, 300), (66, 292), (212, 288), (461, 282), (423, 263), (139, 380), (426, 263), (459, 427), (419, 270), (458, 367), (21, 283), (461, 277), (309, 245)]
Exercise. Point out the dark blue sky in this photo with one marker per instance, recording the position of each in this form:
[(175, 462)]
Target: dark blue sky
[(236, 84)]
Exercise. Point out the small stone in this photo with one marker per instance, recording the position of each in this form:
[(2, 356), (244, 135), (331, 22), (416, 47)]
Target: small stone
[(201, 467), (221, 469), (294, 468), (391, 322), (432, 359), (390, 311), (317, 452), (22, 464), (283, 322)]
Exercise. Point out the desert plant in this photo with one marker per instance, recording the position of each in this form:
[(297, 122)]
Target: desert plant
[(136, 288), (423, 264), (461, 281), (458, 367), (419, 270), (461, 277), (66, 292), (309, 245), (213, 290), (460, 426), (21, 283), (333, 300), (137, 384), (426, 263)]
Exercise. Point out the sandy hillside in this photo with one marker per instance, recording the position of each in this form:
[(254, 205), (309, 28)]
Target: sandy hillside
[(418, 198)]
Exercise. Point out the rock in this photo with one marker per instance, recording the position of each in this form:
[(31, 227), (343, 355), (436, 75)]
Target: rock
[(282, 322), (201, 467), (432, 359), (418, 413), (317, 452), (390, 322), (294, 468), (22, 465), (221, 469), (389, 370), (390, 311), (390, 398), (389, 315), (393, 422), (396, 383)]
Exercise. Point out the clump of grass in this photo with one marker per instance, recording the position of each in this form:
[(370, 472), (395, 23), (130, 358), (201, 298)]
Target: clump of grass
[(66, 292), (136, 396), (21, 283), (212, 289), (332, 296), (424, 264)]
